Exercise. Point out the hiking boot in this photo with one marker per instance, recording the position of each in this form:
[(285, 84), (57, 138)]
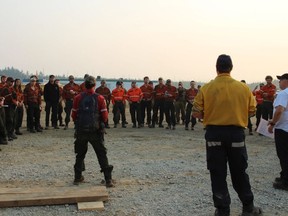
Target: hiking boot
[(186, 128), (32, 131), (17, 132), (134, 126), (222, 212), (61, 125), (39, 130), (248, 211), (108, 175), (115, 125), (192, 128), (124, 126), (3, 141), (78, 181), (278, 179), (66, 127), (250, 133), (280, 185), (13, 136), (10, 138), (56, 127), (168, 127), (152, 126), (46, 128), (107, 126), (173, 128), (161, 126)]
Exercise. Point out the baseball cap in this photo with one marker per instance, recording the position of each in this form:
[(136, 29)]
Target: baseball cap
[(284, 76), (90, 80)]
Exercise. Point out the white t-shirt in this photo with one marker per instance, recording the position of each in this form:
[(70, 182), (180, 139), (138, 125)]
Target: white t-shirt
[(282, 100)]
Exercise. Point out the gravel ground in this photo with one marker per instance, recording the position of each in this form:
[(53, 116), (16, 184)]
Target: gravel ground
[(157, 172)]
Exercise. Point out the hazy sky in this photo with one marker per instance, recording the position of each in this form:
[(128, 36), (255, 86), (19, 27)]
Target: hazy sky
[(176, 39)]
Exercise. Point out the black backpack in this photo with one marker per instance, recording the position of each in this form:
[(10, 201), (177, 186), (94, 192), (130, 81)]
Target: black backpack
[(88, 113)]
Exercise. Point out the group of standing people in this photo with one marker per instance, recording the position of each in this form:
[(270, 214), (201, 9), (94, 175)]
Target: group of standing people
[(152, 103)]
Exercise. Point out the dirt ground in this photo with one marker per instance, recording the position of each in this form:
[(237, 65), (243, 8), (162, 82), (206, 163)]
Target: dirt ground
[(157, 171)]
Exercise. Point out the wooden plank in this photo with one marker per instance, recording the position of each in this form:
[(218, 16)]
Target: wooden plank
[(14, 197), (88, 206)]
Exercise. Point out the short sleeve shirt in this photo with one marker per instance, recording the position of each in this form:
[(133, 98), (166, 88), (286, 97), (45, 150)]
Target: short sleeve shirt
[(282, 100)]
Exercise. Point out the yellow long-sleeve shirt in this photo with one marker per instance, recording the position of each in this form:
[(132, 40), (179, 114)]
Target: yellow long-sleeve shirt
[(225, 101)]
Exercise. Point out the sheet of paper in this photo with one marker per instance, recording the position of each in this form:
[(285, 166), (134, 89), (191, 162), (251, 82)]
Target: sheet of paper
[(263, 129)]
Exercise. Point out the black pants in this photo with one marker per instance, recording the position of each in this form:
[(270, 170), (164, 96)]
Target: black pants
[(281, 141), (170, 113), (158, 105), (54, 106), (146, 106), (189, 117), (19, 117), (249, 126), (258, 114), (33, 114), (135, 112), (119, 109), (227, 144), (59, 113), (68, 108), (267, 110), (3, 131), (81, 147), (10, 113)]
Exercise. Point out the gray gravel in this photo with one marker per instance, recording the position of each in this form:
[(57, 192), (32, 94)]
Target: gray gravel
[(158, 172)]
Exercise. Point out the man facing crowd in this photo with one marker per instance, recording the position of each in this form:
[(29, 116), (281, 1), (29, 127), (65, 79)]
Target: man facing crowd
[(280, 123), (90, 114), (225, 137)]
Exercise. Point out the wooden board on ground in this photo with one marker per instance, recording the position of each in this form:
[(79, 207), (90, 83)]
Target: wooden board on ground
[(16, 197), (99, 206)]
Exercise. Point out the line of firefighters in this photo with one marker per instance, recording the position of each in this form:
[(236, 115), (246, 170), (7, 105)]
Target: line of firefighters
[(145, 102)]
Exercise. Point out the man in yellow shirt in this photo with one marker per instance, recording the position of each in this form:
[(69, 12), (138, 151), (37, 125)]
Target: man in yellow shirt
[(225, 104)]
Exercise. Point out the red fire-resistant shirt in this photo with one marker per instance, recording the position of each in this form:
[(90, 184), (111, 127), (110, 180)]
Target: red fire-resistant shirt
[(101, 105), (270, 90), (147, 91), (159, 92)]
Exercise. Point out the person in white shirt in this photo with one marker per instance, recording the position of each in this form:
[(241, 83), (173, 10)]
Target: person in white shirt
[(279, 123)]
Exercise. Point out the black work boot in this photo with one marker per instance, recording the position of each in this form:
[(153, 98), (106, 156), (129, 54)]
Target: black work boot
[(108, 175), (222, 212), (251, 210)]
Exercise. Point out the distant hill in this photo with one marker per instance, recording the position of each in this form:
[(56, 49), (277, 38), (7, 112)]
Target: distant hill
[(15, 73)]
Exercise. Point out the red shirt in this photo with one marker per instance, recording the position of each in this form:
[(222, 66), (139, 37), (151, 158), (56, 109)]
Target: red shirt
[(170, 93), (19, 93), (105, 92), (118, 95), (147, 91), (101, 105), (159, 92), (82, 87), (134, 94), (67, 94), (258, 96), (32, 95), (270, 90), (10, 95), (190, 94)]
